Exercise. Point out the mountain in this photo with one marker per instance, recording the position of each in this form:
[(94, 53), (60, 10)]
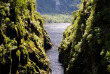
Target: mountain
[(85, 48), (57, 6)]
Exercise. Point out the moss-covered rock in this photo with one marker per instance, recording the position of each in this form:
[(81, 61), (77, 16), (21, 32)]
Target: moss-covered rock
[(85, 48), (22, 39)]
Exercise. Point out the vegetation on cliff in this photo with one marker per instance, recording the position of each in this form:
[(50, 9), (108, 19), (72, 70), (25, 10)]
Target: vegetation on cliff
[(22, 39), (85, 48)]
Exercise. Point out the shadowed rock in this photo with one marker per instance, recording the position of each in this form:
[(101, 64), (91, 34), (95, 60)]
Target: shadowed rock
[(22, 39), (85, 48)]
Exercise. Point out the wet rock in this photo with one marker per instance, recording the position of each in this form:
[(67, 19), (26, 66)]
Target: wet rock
[(85, 46), (22, 39)]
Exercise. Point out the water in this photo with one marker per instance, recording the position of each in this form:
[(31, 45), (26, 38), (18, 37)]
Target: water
[(55, 31)]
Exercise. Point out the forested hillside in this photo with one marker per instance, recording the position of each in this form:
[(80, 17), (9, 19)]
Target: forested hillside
[(57, 6), (22, 39), (85, 48)]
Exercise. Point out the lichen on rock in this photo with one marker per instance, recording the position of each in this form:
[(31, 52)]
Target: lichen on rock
[(85, 48), (22, 39)]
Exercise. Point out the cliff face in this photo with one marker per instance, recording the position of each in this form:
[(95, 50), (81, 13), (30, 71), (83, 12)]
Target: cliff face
[(22, 39), (85, 48), (57, 6)]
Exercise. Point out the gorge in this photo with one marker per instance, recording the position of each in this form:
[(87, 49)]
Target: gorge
[(27, 46), (55, 31)]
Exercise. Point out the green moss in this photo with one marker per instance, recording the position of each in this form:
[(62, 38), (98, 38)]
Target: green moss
[(0, 49), (7, 19), (21, 30), (107, 56), (3, 61), (2, 12), (107, 45), (18, 53), (89, 37), (85, 46), (108, 68)]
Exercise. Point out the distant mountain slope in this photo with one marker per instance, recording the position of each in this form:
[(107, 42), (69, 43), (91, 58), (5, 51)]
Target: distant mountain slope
[(57, 6)]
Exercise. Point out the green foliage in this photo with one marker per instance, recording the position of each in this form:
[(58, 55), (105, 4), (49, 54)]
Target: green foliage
[(20, 24), (57, 18), (85, 46), (108, 68)]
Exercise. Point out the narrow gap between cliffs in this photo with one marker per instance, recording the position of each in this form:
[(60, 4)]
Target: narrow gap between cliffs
[(55, 31)]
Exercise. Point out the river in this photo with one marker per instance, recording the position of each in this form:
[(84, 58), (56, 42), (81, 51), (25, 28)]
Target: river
[(55, 31)]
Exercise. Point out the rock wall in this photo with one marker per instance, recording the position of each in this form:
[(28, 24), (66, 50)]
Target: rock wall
[(22, 39), (85, 48)]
